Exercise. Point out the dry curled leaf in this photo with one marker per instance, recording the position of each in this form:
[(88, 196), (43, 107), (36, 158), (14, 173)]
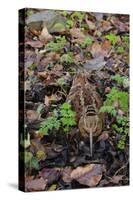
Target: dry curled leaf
[(35, 185), (89, 175)]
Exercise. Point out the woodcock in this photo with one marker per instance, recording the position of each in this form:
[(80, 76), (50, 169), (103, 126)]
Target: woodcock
[(86, 102)]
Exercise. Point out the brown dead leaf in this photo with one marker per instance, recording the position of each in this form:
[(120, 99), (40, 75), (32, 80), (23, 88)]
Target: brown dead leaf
[(89, 175), (116, 179), (49, 99), (77, 35), (43, 74), (50, 175), (102, 49), (45, 36), (50, 57), (35, 185), (32, 116), (103, 136), (35, 43), (90, 23), (66, 174), (105, 26), (37, 146), (95, 64), (119, 25)]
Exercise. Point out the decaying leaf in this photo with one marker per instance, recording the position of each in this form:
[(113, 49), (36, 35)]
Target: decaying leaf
[(103, 136), (35, 185), (116, 179), (35, 43), (49, 99), (102, 49), (77, 35), (32, 116), (89, 175), (52, 187), (95, 64), (50, 174), (45, 36), (66, 174)]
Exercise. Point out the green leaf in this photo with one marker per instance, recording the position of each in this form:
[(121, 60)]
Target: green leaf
[(112, 38)]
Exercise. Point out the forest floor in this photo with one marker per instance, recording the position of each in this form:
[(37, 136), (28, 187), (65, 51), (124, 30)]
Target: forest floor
[(54, 154)]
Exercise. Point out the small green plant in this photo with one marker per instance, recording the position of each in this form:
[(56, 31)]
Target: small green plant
[(122, 127), (65, 119), (78, 15), (87, 41), (56, 45), (116, 105), (69, 23), (50, 124), (67, 58), (120, 50), (112, 38), (119, 97), (61, 82), (108, 109), (121, 80), (125, 39)]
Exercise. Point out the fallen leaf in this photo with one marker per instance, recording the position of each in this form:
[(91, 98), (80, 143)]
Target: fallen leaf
[(27, 85), (103, 136), (102, 49), (49, 99), (41, 155), (105, 26), (48, 58), (50, 175), (35, 185), (52, 187), (36, 146), (42, 74), (116, 179), (95, 64), (120, 26), (30, 58), (89, 175), (66, 174), (32, 116), (90, 24), (45, 36), (35, 43), (98, 16), (77, 35)]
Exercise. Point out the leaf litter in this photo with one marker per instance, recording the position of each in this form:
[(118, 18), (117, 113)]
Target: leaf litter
[(63, 160)]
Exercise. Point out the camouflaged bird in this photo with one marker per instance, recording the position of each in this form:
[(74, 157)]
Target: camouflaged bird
[(86, 102)]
